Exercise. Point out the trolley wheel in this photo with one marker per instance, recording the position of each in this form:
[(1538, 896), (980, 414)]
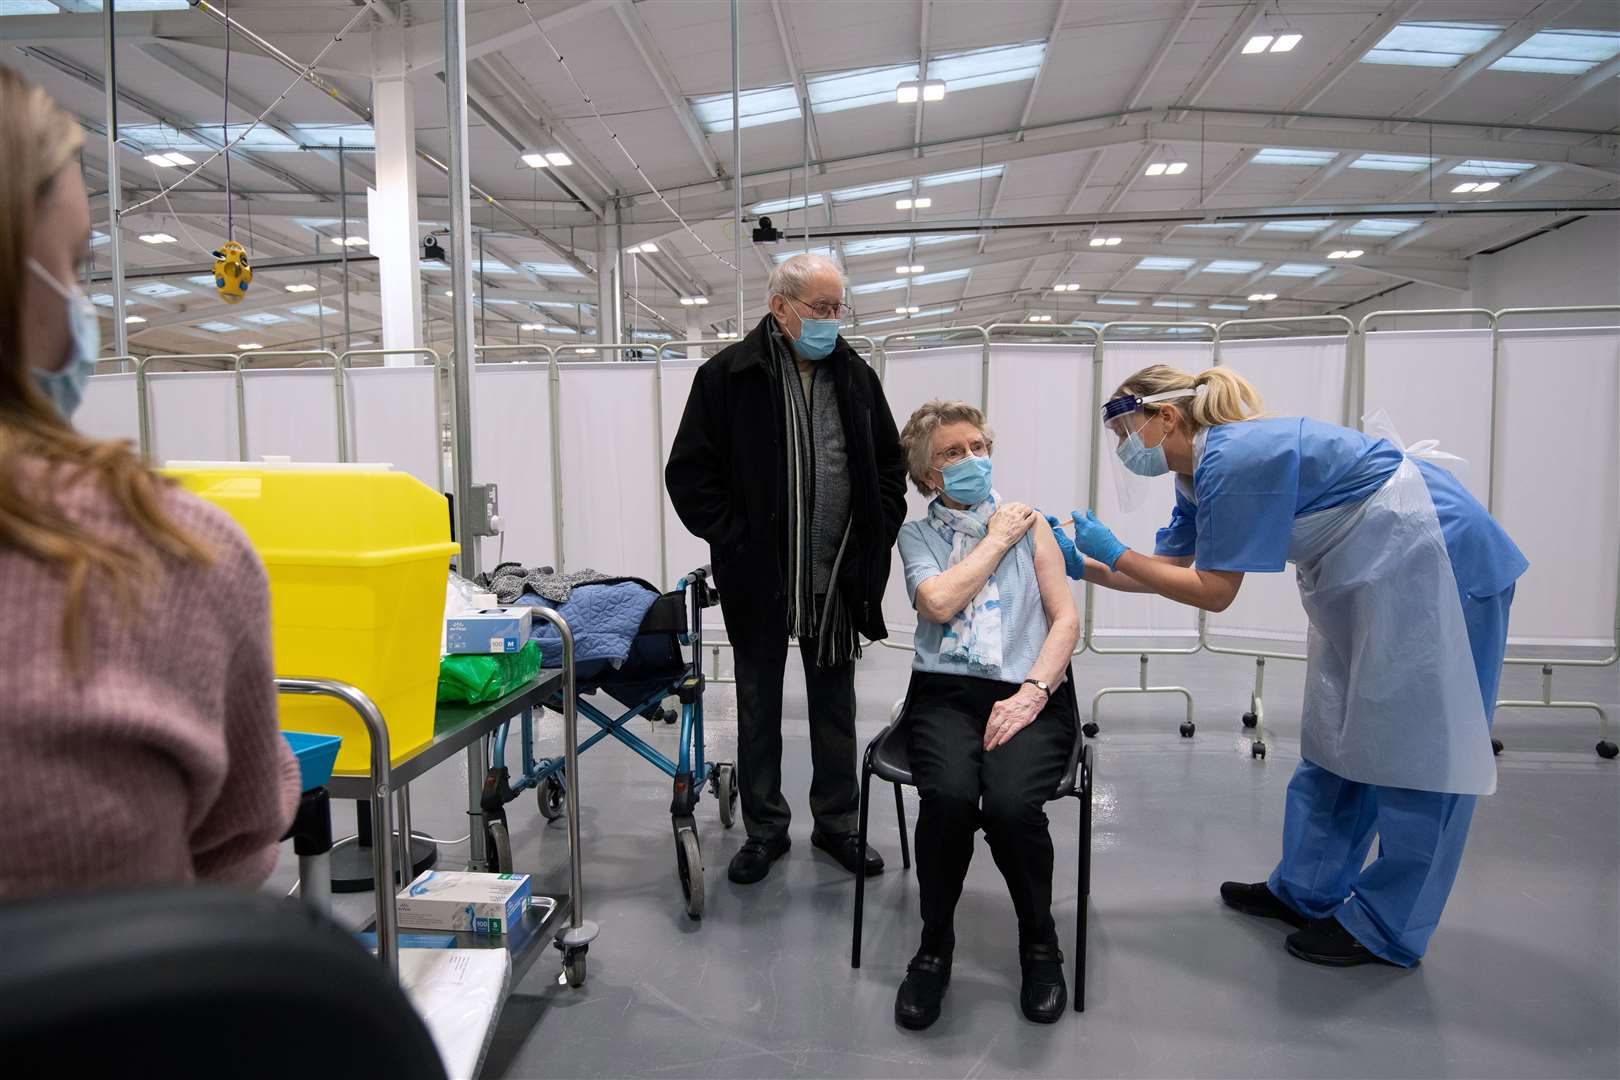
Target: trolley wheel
[(1607, 750), (573, 968), (1258, 750), (725, 792), (551, 798), (1090, 729), (1250, 720), (1496, 746), (1188, 729), (689, 866), (498, 848)]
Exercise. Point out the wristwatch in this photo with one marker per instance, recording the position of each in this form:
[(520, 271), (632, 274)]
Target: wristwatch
[(1044, 688)]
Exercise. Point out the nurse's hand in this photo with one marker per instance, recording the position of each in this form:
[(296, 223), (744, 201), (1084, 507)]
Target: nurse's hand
[(1008, 525), (1093, 538), (1074, 564), (1011, 715)]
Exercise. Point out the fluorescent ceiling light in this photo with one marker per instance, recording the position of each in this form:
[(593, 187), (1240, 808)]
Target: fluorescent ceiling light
[(1562, 52), (1040, 318), (1393, 162), (249, 346), (906, 93), (726, 335), (1181, 304), (1259, 43), (1299, 270), (161, 289), (878, 286), (218, 327), (1155, 169), (1163, 262), (585, 350), (557, 329), (912, 310), (1229, 307), (837, 91), (796, 202), (169, 160), (766, 105), (1116, 301), (1212, 225), (939, 277), (531, 326), (534, 160), (1502, 169), (1432, 44), (1385, 227), (133, 319), (557, 159), (1260, 297), (302, 286), (1104, 241), (158, 238), (914, 268), (962, 176), (1067, 287), (1286, 42), (913, 204), (1463, 189), (1352, 253), (352, 241), (784, 256), (1175, 168), (648, 248), (694, 301), (1489, 185), (1300, 225), (987, 67), (1229, 266), (1273, 155)]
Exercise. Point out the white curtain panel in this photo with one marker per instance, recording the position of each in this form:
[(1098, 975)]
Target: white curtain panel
[(1295, 377), (1435, 384), (194, 416), (1558, 480), (511, 447), (612, 468), (912, 377), (291, 412), (686, 552), (1132, 614), (392, 419), (109, 409)]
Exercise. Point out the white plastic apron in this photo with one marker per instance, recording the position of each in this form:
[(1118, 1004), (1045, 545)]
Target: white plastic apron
[(1391, 693)]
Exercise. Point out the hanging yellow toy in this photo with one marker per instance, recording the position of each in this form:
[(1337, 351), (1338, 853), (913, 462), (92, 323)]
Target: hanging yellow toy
[(232, 274)]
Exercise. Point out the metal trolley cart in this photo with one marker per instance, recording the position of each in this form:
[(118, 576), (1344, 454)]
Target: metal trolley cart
[(656, 669)]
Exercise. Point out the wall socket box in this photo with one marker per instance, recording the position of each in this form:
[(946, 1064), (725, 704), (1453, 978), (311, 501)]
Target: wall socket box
[(484, 506)]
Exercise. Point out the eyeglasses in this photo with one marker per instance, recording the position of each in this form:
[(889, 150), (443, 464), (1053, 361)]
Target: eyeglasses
[(826, 310), (953, 454)]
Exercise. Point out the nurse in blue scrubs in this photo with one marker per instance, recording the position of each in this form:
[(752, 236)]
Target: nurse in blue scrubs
[(1406, 580)]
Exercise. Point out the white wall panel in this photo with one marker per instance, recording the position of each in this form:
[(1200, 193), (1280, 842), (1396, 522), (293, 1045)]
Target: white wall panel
[(612, 474), (109, 409), (194, 416), (511, 447), (292, 412), (392, 419)]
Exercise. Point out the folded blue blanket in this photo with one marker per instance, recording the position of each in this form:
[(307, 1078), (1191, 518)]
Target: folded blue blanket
[(604, 620)]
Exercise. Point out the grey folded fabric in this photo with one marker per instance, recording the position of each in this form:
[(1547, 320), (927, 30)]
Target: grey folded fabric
[(508, 581)]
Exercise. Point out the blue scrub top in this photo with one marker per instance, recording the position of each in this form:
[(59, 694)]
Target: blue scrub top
[(1256, 476)]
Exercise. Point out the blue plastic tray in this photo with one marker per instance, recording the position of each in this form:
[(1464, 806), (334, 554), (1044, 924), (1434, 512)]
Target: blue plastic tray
[(316, 755)]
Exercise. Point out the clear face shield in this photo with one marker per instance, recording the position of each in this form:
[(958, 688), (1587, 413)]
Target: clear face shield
[(1134, 439)]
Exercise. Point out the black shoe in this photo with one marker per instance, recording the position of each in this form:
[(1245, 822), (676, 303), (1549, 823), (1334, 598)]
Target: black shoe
[(846, 848), (1043, 994), (1327, 942), (916, 1006), (753, 862), (1258, 899)]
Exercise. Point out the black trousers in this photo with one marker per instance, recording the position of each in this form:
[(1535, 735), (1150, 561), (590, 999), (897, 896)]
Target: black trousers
[(835, 795), (963, 788)]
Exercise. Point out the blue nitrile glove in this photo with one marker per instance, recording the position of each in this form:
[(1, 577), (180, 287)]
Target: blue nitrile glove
[(1093, 538), (1074, 564)]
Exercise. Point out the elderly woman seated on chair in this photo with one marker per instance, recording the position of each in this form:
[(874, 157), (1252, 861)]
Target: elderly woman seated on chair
[(987, 733)]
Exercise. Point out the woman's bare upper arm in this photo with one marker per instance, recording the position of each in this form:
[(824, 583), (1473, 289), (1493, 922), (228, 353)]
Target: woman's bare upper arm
[(1050, 575)]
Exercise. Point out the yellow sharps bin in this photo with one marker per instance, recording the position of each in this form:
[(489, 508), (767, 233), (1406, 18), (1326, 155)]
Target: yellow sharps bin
[(357, 557)]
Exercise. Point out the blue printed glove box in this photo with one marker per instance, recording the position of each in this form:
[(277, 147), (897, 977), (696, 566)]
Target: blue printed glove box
[(489, 630)]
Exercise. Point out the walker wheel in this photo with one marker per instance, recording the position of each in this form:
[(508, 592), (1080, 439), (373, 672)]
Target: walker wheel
[(1188, 729), (573, 968), (1496, 746), (551, 797), (1090, 729), (725, 792), (498, 848), (1250, 720), (1258, 750), (689, 866), (1607, 750)]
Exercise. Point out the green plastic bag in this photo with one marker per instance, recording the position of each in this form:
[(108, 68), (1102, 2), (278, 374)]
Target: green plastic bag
[(480, 679)]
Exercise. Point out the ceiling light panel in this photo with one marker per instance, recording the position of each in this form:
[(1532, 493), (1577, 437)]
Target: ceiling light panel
[(1380, 227), (1229, 307), (988, 67), (1272, 155), (1432, 44), (218, 327), (1178, 304), (1163, 262), (1299, 270), (1301, 225), (1497, 169), (988, 172), (766, 105), (1562, 52), (795, 202), (1407, 163), (1117, 301), (869, 191), (840, 90), (1230, 266)]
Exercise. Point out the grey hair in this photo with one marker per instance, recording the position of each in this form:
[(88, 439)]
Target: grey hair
[(917, 437), (792, 276)]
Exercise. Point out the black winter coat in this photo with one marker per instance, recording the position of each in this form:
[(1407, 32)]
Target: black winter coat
[(726, 481)]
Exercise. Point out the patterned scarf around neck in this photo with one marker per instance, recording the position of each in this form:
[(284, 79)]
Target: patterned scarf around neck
[(973, 635), (831, 628)]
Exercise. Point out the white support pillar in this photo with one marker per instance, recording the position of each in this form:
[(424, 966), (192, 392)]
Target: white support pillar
[(609, 278), (391, 206), (694, 330)]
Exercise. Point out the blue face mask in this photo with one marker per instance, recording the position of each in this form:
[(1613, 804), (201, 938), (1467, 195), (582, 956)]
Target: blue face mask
[(816, 338), (65, 387), (967, 481), (1141, 459)]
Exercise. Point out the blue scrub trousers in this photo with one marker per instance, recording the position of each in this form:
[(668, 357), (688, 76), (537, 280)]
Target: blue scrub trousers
[(1393, 905)]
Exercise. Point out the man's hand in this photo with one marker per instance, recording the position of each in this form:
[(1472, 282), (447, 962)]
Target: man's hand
[(1011, 715), (1009, 524)]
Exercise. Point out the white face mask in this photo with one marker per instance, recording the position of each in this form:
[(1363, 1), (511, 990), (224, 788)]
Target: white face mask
[(65, 386)]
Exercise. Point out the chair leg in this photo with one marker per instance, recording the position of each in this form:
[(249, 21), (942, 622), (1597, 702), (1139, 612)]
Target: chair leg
[(900, 815), (1082, 901), (860, 879)]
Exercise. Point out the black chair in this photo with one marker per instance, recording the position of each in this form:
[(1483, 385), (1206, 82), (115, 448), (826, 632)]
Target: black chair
[(887, 758), (182, 982)]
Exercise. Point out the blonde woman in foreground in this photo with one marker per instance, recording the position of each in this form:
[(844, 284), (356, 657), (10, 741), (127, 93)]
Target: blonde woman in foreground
[(1406, 581)]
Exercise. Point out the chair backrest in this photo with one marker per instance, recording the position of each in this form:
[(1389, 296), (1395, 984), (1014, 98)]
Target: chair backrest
[(195, 981)]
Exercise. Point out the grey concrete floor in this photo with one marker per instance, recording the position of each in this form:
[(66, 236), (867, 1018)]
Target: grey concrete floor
[(1522, 980)]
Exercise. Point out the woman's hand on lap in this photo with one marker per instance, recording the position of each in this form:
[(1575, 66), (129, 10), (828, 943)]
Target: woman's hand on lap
[(1011, 715)]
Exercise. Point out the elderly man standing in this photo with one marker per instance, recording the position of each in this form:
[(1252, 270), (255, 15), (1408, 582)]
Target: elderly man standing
[(788, 463)]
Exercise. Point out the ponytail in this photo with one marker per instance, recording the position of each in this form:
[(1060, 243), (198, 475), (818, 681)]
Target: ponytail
[(1224, 396)]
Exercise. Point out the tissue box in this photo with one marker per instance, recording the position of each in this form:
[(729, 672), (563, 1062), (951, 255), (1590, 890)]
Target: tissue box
[(489, 630), (450, 900)]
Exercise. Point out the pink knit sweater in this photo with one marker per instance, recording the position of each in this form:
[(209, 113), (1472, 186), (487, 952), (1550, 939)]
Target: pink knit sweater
[(159, 761)]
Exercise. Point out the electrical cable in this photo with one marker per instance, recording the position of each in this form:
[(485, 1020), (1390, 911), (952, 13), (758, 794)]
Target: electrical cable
[(659, 195), (225, 129)]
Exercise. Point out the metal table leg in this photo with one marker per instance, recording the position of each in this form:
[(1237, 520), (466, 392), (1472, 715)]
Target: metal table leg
[(477, 765)]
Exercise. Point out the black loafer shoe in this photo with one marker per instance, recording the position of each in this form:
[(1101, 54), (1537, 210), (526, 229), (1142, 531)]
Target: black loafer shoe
[(916, 1006), (753, 862), (1043, 995), (1327, 942), (1258, 899), (846, 848)]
